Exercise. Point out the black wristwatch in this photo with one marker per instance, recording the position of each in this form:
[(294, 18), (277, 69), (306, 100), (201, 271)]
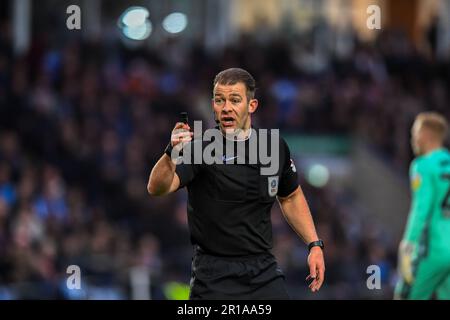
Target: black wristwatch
[(318, 243)]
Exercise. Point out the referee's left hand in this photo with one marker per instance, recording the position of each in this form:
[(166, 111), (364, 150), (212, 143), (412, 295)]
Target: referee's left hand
[(316, 268)]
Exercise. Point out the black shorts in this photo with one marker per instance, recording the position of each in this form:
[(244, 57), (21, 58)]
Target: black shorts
[(255, 277)]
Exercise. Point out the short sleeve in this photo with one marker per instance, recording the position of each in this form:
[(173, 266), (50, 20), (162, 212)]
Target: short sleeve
[(289, 176), (186, 172)]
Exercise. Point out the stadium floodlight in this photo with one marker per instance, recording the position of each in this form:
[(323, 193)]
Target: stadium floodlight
[(175, 22), (135, 24)]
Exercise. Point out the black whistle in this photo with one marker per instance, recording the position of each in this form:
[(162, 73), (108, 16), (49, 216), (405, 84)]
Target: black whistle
[(184, 117)]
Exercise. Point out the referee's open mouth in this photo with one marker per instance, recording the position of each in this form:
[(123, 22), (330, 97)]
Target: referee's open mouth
[(227, 121)]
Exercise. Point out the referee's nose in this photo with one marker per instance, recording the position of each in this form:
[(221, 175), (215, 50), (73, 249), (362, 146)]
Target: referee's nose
[(227, 108)]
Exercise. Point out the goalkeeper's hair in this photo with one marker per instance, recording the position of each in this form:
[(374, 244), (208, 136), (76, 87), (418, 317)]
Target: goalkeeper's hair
[(434, 122)]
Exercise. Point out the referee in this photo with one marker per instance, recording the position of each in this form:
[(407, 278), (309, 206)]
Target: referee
[(229, 204)]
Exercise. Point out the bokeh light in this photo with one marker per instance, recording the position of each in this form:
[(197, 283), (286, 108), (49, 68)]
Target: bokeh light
[(318, 175), (135, 24), (175, 22)]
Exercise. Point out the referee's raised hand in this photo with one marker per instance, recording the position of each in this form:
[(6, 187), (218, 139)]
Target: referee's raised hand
[(163, 179), (181, 135), (316, 269)]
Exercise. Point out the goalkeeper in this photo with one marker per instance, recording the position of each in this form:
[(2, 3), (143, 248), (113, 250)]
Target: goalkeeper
[(424, 253)]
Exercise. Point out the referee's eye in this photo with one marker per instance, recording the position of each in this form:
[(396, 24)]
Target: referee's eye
[(219, 101)]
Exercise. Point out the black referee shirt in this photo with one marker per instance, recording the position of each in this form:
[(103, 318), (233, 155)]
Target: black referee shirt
[(229, 204)]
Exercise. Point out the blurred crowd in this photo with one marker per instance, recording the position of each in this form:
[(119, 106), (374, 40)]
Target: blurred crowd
[(83, 123)]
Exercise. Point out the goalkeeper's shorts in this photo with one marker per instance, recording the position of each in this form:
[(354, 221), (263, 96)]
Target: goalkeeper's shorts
[(431, 280)]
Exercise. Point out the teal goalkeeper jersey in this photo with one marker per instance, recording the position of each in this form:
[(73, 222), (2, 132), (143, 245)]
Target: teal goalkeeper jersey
[(429, 218)]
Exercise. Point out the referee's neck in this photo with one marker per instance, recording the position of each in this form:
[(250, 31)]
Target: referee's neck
[(241, 135)]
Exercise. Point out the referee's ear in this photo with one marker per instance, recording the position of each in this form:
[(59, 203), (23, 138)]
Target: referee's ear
[(252, 106)]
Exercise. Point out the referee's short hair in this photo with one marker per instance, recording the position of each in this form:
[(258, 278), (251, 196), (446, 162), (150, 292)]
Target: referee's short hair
[(235, 75), (435, 122)]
